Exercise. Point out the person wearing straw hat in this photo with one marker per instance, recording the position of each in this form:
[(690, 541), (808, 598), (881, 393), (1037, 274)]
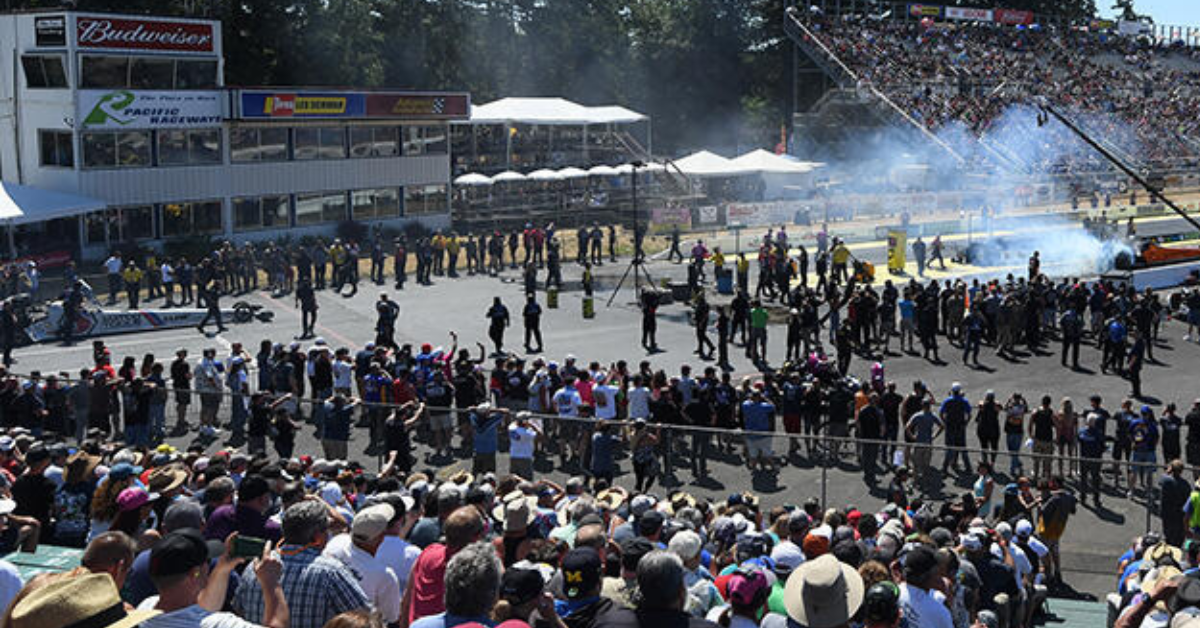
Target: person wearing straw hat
[(72, 500), (518, 511), (91, 600)]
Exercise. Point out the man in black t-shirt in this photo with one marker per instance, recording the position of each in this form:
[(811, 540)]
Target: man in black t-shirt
[(34, 492)]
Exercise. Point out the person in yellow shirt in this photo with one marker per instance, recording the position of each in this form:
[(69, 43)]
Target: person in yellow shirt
[(132, 275), (452, 248), (840, 256), (743, 273), (718, 259)]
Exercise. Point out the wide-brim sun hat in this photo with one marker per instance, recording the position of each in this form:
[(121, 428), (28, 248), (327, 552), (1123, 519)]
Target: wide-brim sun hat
[(823, 593)]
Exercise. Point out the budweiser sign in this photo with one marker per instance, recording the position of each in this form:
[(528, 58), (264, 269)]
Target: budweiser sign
[(94, 32)]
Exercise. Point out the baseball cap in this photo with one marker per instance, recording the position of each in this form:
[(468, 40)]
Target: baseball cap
[(119, 471), (685, 544), (798, 520), (183, 513), (182, 550), (881, 602), (919, 561), (650, 522), (7, 443), (746, 586), (372, 522), (581, 569), (1024, 528), (641, 504), (632, 551), (521, 585), (133, 498)]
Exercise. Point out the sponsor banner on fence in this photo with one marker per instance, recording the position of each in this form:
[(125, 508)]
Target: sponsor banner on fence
[(1101, 25), (104, 322), (50, 31), (140, 34), (968, 13), (1012, 16), (761, 214), (708, 215), (128, 109), (925, 10), (668, 216)]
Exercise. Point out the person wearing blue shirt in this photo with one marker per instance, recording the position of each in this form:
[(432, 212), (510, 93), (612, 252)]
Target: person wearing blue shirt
[(602, 465), (335, 440), (758, 414), (485, 421), (1091, 449), (955, 414), (1143, 433)]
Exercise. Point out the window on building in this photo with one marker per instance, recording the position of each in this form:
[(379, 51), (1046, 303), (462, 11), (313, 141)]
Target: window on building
[(195, 74), (116, 149), (425, 199), (260, 212), (376, 204), (424, 140), (314, 209), (44, 71), (258, 144), (56, 148), (373, 141), (152, 73), (136, 223), (315, 142), (104, 72), (189, 147), (191, 219), (99, 226)]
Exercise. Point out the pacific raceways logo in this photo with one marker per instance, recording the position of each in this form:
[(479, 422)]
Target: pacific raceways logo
[(110, 109)]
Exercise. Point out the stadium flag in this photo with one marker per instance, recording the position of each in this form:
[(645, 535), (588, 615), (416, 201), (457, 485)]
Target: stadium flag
[(897, 245)]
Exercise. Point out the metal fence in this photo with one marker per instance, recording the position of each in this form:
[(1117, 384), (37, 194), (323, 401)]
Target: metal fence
[(722, 449)]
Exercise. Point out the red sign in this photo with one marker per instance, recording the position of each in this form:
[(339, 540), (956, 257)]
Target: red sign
[(52, 259), (1012, 16), (104, 32), (417, 105)]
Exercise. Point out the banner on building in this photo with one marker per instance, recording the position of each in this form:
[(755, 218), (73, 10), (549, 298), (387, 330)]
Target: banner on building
[(925, 10), (130, 109), (663, 217), (1012, 16), (50, 31), (441, 106), (967, 13), (897, 246), (708, 215), (257, 104), (1132, 28), (143, 34)]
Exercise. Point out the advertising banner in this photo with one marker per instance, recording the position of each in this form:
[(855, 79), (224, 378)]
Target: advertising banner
[(708, 215), (128, 109), (897, 246), (661, 217), (1101, 25), (925, 10), (441, 106), (1128, 27), (1012, 16), (50, 31), (761, 214), (304, 105), (139, 34), (967, 13)]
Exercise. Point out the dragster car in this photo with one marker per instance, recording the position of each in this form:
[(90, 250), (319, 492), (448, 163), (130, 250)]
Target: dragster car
[(92, 321)]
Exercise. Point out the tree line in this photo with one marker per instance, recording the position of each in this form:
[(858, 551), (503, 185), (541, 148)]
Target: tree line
[(708, 72)]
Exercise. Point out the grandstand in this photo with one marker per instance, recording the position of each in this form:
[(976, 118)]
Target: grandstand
[(967, 89)]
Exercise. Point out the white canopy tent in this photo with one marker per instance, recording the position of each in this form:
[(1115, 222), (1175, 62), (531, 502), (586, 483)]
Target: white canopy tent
[(571, 172), (473, 179), (20, 204), (545, 175), (549, 111), (705, 164), (508, 176), (759, 160), (603, 171)]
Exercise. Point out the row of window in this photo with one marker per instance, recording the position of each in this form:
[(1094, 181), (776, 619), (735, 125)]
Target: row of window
[(124, 72), (251, 144), (253, 213), (194, 147)]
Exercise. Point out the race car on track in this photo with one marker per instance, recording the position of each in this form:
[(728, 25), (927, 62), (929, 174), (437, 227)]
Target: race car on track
[(91, 321)]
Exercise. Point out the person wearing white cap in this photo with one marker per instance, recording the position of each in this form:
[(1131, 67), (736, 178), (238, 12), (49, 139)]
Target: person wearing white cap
[(367, 533)]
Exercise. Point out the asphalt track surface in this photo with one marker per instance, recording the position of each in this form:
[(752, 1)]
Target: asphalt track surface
[(1094, 538)]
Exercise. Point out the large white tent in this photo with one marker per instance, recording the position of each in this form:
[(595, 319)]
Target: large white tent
[(706, 164), (553, 111), (759, 160)]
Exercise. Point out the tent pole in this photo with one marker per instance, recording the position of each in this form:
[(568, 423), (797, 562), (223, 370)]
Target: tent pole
[(12, 241)]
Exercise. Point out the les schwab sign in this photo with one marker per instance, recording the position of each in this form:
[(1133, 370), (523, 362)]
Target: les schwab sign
[(124, 34)]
